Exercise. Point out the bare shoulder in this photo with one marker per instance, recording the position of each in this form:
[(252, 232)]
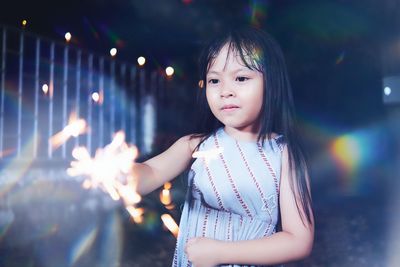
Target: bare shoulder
[(191, 140)]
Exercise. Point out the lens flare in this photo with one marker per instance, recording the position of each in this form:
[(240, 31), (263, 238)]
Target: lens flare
[(347, 151), (340, 58), (112, 246), (83, 245), (257, 12), (20, 167)]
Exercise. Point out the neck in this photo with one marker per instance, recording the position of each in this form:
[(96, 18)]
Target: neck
[(242, 134)]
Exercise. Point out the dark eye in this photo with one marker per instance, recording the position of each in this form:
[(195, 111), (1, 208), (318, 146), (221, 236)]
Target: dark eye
[(213, 81), (241, 79)]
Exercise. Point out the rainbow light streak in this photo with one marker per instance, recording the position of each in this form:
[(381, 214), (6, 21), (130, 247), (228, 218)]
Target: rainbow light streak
[(353, 152), (83, 245), (5, 225), (91, 28), (340, 58), (18, 167), (47, 230), (112, 36), (347, 152), (112, 242), (257, 12)]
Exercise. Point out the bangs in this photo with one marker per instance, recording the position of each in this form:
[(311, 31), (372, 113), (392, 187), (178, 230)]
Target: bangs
[(250, 54)]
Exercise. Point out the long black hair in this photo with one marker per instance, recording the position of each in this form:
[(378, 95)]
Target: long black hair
[(260, 51)]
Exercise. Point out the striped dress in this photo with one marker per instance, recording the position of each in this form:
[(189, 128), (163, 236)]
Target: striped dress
[(233, 192)]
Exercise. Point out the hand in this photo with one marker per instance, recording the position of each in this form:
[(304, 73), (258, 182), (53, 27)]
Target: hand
[(202, 252)]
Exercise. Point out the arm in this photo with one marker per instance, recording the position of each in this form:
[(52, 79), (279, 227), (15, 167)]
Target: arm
[(162, 168), (293, 243)]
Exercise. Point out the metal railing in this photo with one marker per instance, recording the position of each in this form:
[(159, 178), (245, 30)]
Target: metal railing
[(43, 81)]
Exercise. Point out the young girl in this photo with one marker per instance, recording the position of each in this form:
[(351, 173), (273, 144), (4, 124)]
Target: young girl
[(248, 171)]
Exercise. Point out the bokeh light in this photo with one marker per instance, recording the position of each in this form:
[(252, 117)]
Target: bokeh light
[(387, 90), (96, 97), (141, 61), (68, 36), (113, 52), (45, 88), (169, 71)]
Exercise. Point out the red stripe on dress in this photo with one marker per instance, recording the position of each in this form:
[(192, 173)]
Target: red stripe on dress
[(215, 224), (205, 221), (239, 198), (273, 174), (213, 186), (229, 226), (253, 177)]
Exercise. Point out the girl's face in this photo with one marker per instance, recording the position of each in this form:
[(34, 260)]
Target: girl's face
[(234, 92)]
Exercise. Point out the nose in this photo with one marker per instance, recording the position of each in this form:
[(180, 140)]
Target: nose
[(227, 90)]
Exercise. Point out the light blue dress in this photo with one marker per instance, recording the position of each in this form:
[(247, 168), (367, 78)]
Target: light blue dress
[(233, 192)]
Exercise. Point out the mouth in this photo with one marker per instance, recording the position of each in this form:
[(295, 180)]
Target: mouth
[(229, 107)]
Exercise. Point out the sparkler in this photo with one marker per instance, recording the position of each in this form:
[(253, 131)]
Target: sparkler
[(111, 170), (74, 128)]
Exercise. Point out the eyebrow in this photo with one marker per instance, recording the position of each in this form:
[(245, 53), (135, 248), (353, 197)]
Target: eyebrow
[(234, 71)]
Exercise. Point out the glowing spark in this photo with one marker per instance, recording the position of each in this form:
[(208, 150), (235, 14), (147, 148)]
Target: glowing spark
[(208, 155), (74, 128), (109, 169), (170, 224), (136, 213), (128, 193)]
